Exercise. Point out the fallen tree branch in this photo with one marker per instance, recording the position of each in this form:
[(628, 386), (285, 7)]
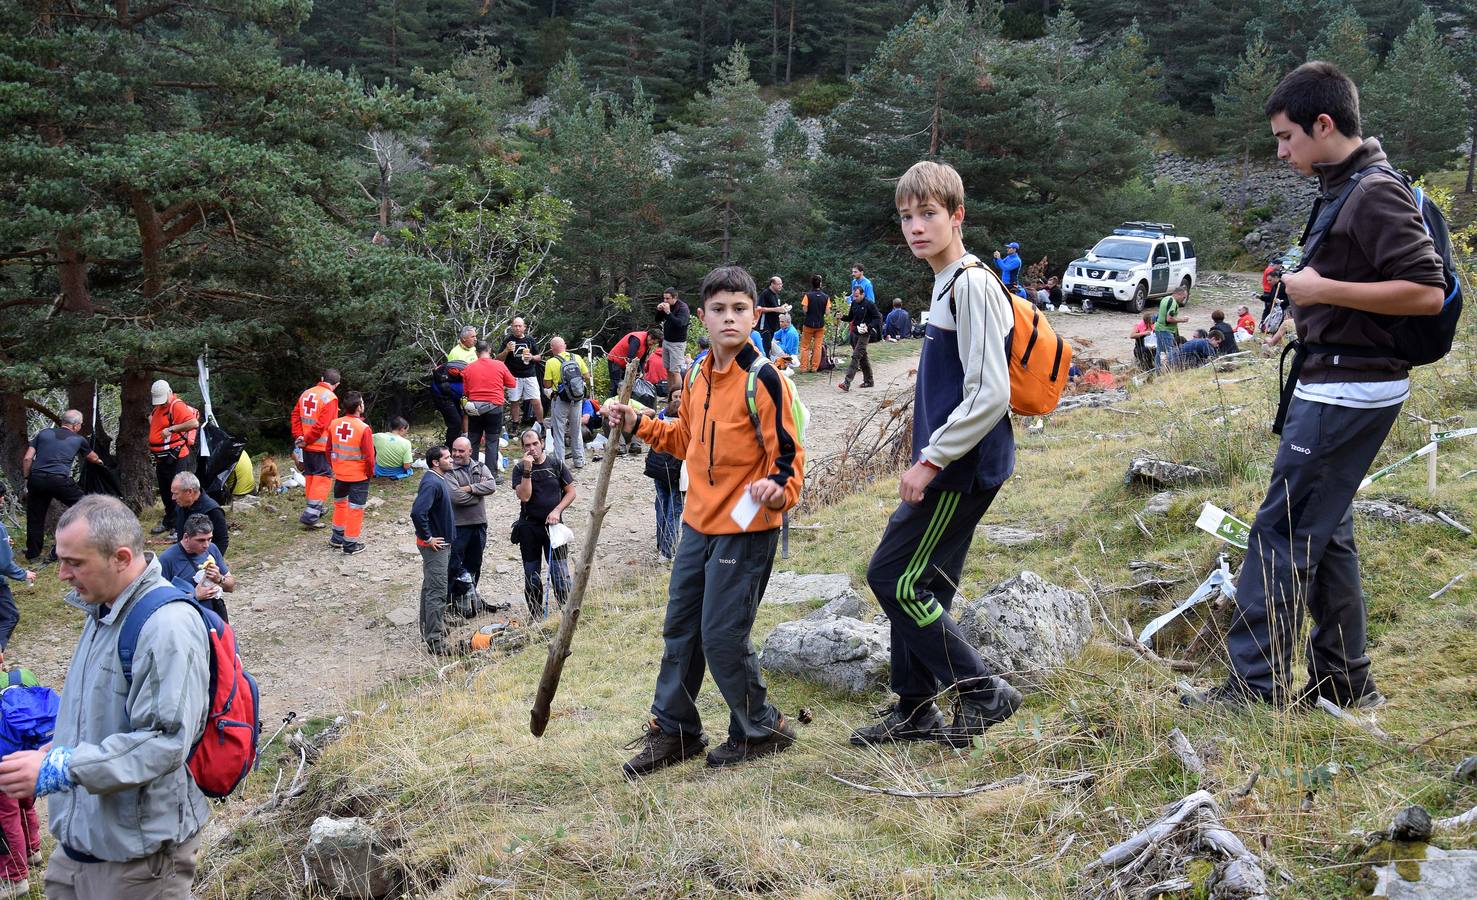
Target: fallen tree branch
[(1359, 722), (1451, 823), (1185, 752), (1448, 586), (1076, 779)]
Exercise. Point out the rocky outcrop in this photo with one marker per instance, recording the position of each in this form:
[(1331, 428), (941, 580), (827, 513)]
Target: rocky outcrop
[(347, 858), (1161, 473), (1271, 188), (842, 653), (1026, 626), (1394, 512)]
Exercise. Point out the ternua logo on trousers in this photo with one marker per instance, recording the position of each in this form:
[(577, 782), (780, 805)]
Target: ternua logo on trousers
[(1303, 450), (726, 562)]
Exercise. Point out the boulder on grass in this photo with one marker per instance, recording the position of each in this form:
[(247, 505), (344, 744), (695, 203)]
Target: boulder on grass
[(842, 653), (790, 587), (1026, 626), (1161, 473), (346, 858)]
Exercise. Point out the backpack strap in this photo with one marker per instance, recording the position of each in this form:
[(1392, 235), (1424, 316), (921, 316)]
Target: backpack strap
[(138, 614), (751, 389)]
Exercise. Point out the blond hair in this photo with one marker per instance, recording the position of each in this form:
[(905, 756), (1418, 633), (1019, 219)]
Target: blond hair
[(928, 180)]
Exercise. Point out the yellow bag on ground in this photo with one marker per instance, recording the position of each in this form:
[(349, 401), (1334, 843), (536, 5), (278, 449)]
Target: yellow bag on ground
[(243, 477)]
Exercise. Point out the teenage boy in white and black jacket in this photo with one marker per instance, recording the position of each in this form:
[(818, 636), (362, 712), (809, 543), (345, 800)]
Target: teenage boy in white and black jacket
[(963, 451)]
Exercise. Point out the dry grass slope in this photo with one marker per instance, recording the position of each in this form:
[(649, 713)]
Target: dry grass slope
[(448, 769)]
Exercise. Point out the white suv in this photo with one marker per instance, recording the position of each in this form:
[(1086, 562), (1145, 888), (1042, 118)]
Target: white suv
[(1139, 261)]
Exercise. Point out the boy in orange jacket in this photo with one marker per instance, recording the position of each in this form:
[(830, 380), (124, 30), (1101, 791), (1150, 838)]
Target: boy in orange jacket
[(744, 466)]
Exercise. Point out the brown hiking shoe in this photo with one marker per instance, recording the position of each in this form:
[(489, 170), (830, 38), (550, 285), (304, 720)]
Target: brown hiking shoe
[(922, 725), (660, 749), (976, 712), (734, 751)]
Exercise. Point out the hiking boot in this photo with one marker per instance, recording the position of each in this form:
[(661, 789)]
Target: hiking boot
[(160, 528), (843, 387), (352, 547), (1231, 696), (336, 541), (869, 384), (736, 750), (310, 520), (974, 713), (660, 749), (922, 725)]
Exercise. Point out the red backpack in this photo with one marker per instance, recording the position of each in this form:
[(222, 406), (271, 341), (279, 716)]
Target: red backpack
[(226, 751)]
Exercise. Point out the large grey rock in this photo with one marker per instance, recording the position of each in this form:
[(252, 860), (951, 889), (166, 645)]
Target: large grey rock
[(1394, 512), (346, 858), (848, 606), (1443, 875), (402, 616), (1466, 770), (844, 654), (1006, 536), (1026, 626), (1161, 473), (1158, 504), (791, 587)]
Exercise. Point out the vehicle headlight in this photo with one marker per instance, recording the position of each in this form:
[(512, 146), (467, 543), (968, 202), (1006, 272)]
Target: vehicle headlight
[(1122, 276)]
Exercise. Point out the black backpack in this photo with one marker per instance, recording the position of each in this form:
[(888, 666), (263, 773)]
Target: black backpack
[(571, 379), (1419, 340)]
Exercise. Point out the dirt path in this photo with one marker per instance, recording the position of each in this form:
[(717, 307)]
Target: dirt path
[(317, 627)]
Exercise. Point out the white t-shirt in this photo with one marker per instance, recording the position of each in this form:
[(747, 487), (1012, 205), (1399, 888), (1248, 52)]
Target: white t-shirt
[(1356, 394)]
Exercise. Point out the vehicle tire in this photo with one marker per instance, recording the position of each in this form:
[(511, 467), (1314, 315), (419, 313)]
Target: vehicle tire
[(1140, 294), (1185, 283)]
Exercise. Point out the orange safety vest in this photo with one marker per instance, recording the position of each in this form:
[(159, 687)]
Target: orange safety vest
[(316, 407), (171, 412), (351, 462)]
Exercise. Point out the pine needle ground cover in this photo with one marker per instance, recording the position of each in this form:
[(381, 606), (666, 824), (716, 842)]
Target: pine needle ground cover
[(444, 767)]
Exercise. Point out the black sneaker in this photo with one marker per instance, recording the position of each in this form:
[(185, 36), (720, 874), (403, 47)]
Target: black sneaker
[(734, 751), (660, 749), (923, 725), (1231, 696), (978, 711), (352, 547), (336, 541)]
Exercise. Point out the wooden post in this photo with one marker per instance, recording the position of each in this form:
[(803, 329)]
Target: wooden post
[(1431, 465), (548, 682)]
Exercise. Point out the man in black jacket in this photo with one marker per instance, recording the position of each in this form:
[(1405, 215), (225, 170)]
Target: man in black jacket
[(1376, 262), (866, 321), (189, 500), (435, 532), (675, 317)]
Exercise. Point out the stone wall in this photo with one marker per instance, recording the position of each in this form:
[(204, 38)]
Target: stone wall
[(1272, 186)]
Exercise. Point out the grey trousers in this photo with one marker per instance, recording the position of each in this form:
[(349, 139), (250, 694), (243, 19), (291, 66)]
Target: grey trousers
[(564, 425), (1302, 560), (717, 583), (164, 876), (433, 595)]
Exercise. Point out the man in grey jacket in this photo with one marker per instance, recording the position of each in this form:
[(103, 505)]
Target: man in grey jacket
[(124, 810), (469, 481)]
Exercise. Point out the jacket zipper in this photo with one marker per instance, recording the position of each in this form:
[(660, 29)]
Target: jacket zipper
[(712, 436)]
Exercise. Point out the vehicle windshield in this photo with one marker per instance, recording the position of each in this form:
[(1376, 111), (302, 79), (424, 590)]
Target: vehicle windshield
[(1118, 248)]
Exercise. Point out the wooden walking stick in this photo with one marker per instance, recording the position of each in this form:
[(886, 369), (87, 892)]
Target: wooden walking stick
[(548, 682)]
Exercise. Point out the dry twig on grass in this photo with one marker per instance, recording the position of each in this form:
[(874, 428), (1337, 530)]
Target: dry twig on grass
[(1185, 752), (1363, 724), (1067, 781)]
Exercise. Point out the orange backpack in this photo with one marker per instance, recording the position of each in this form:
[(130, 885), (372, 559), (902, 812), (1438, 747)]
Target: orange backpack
[(1039, 358)]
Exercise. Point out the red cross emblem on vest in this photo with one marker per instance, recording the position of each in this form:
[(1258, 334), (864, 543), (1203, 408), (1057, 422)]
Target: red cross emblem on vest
[(310, 405), (344, 432)]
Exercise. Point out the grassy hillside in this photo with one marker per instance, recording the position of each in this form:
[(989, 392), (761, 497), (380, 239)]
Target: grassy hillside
[(448, 769)]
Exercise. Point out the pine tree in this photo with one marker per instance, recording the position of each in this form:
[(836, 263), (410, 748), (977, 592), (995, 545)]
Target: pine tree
[(791, 143), (184, 189), (727, 190), (1414, 104), (621, 42), (1240, 119), (1345, 42)]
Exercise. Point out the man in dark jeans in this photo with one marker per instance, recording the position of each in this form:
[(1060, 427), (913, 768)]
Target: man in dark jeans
[(47, 470), (1377, 262), (546, 488), (470, 481), (865, 321)]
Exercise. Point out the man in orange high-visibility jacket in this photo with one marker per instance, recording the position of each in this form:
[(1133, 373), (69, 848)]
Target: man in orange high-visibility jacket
[(315, 409), (351, 451), (173, 425)]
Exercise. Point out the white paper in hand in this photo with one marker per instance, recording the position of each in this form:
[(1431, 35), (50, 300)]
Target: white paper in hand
[(559, 535), (745, 510)]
